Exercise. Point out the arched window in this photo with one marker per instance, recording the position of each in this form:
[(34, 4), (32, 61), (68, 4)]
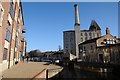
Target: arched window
[(97, 34), (90, 34), (81, 34), (85, 34), (85, 38)]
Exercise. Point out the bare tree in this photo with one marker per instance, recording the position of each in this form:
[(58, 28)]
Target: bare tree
[(59, 48)]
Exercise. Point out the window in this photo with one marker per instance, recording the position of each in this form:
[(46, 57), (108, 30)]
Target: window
[(71, 39), (71, 45), (66, 39), (81, 34), (8, 32), (18, 27), (97, 34), (71, 34), (0, 13), (85, 38), (19, 14), (85, 34), (15, 54), (5, 54), (91, 47), (66, 34), (11, 9), (16, 43), (66, 45), (93, 34), (84, 49), (90, 34)]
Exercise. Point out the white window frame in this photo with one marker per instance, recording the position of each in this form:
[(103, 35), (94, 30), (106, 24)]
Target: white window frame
[(1, 17)]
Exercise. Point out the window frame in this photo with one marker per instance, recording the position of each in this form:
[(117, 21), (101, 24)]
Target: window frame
[(8, 34), (71, 45), (66, 45), (81, 34), (11, 10), (85, 34), (90, 34), (71, 39), (5, 54), (16, 42)]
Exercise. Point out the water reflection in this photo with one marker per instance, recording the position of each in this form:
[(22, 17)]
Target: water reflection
[(77, 74)]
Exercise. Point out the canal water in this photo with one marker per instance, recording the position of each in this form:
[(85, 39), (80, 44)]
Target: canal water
[(77, 74)]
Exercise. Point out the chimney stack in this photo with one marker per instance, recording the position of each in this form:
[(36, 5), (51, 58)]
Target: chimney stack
[(107, 30), (77, 30), (77, 22)]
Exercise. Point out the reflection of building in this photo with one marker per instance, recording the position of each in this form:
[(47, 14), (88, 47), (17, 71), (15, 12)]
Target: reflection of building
[(72, 38), (11, 29), (102, 49)]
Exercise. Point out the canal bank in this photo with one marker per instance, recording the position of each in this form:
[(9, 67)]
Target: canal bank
[(97, 67), (71, 72)]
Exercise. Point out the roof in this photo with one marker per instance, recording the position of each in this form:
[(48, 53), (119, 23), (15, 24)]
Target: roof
[(117, 44), (69, 31), (85, 30), (91, 40), (94, 25)]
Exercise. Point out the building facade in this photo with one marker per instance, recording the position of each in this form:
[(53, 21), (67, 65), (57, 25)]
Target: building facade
[(72, 38), (103, 49), (11, 30)]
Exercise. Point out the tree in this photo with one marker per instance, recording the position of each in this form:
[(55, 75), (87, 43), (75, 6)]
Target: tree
[(34, 53), (59, 48)]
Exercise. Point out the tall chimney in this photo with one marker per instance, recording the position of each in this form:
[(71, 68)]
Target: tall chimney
[(77, 21), (107, 30), (77, 31)]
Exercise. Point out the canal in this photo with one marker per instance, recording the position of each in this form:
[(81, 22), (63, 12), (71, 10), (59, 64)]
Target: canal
[(77, 74)]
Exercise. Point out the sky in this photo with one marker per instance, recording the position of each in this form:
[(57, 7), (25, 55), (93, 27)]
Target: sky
[(46, 21)]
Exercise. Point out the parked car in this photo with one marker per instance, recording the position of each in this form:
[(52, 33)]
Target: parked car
[(46, 60), (35, 59)]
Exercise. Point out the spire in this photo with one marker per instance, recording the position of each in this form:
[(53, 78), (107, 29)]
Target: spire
[(77, 22)]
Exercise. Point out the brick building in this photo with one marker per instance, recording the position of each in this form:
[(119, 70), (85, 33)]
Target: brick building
[(102, 49), (71, 38), (11, 30)]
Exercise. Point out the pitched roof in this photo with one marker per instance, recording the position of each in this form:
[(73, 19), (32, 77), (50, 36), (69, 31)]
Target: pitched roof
[(91, 40), (94, 25)]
